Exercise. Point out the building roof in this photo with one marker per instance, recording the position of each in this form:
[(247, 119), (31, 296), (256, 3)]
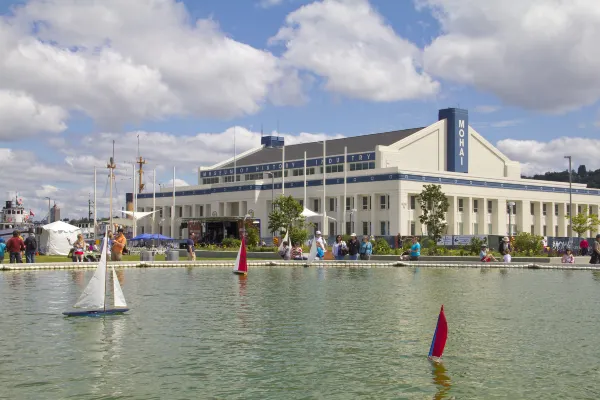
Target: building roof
[(355, 144)]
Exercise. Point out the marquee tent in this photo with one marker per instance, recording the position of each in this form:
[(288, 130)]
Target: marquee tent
[(56, 236)]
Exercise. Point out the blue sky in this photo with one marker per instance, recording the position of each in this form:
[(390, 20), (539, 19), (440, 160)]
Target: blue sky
[(347, 67)]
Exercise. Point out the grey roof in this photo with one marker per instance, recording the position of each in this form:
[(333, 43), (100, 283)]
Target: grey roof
[(355, 144)]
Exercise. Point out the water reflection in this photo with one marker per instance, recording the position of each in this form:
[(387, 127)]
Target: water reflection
[(596, 275), (504, 272), (441, 380), (77, 278)]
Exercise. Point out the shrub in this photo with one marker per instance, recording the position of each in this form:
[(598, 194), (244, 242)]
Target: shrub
[(381, 246), (428, 242), (252, 236), (528, 244), (475, 246), (298, 235), (231, 243)]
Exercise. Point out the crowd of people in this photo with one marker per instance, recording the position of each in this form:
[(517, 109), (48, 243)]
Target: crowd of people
[(19, 249)]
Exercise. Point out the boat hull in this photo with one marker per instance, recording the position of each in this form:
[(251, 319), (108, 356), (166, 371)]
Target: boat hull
[(240, 272), (95, 313)]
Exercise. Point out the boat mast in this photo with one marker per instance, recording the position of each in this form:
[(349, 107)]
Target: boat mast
[(111, 168)]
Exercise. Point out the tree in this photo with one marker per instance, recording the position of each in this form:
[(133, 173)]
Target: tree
[(252, 237), (582, 171), (584, 222), (434, 205), (287, 212)]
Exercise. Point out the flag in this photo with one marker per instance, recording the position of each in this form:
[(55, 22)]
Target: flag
[(31, 213)]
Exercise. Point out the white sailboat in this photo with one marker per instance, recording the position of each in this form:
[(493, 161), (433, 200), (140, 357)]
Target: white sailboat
[(312, 254), (93, 299)]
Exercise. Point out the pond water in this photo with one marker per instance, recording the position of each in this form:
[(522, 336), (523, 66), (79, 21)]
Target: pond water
[(304, 333)]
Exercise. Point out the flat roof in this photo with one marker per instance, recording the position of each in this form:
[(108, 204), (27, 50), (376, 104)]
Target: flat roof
[(335, 147)]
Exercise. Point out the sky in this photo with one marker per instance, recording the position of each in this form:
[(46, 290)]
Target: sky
[(182, 77)]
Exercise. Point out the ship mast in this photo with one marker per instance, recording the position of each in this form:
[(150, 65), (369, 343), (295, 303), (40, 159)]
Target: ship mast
[(111, 167), (140, 161)]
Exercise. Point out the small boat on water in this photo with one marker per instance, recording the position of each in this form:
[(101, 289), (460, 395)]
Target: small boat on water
[(241, 264), (439, 338), (93, 299)]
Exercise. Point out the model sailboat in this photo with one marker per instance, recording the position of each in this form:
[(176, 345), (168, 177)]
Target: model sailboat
[(439, 337), (241, 265), (312, 254), (93, 298)]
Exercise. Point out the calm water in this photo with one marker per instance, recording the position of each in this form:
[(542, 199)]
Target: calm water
[(304, 333)]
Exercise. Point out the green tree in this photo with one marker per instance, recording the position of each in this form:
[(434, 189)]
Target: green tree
[(298, 235), (434, 205), (527, 243), (584, 222), (582, 171), (252, 236), (287, 213)]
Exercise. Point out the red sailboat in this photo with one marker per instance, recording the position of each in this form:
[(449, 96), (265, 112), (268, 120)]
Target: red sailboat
[(439, 337), (241, 265)]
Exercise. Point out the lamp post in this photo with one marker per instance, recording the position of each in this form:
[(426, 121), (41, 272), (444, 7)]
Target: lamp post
[(48, 208), (570, 201), (511, 204), (351, 223)]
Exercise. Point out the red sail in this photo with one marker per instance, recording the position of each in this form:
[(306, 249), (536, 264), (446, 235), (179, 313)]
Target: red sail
[(439, 337), (241, 265)]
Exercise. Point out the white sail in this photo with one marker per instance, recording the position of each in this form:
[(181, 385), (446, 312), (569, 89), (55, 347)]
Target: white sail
[(94, 294), (313, 251), (236, 266), (117, 292)]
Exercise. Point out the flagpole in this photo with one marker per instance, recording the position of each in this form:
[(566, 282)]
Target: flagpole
[(283, 170), (173, 208), (305, 205), (95, 214), (345, 191), (153, 198), (324, 228), (133, 201)]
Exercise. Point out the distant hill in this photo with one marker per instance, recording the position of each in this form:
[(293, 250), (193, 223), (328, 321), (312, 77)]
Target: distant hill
[(582, 175)]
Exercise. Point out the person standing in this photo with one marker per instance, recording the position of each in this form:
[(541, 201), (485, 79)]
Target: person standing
[(353, 247), (596, 251), (119, 244), (583, 247), (190, 247), (30, 248), (321, 247), (339, 248), (505, 249), (415, 249), (366, 249), (2, 250), (15, 246)]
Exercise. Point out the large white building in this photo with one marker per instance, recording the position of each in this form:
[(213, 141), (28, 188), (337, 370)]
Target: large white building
[(383, 174)]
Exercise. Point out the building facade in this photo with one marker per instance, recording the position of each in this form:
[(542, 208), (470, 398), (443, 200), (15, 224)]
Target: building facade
[(371, 186), (54, 213)]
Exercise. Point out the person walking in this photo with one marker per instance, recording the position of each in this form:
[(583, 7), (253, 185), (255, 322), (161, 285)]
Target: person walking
[(321, 246), (31, 247), (415, 249), (353, 247), (119, 244), (596, 251), (15, 246), (190, 247), (339, 248), (583, 247), (366, 249)]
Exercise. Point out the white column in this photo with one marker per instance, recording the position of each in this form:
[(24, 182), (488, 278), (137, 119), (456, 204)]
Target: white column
[(467, 216), (451, 215), (562, 220), (373, 205), (550, 218), (481, 216), (524, 216), (539, 218), (499, 217)]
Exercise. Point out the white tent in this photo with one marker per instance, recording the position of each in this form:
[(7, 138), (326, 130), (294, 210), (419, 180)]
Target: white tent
[(55, 238), (139, 214)]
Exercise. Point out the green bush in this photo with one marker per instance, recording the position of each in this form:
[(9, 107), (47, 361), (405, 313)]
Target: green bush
[(252, 236), (262, 249), (381, 247), (528, 244), (298, 235), (475, 246), (428, 242), (231, 243)]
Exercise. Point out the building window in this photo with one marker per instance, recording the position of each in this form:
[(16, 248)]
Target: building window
[(556, 210), (489, 206), (229, 178), (475, 228), (383, 202), (180, 212), (316, 205), (253, 177), (298, 172), (532, 229), (544, 230), (365, 228), (160, 213), (544, 208), (277, 174), (362, 166), (460, 205), (412, 228), (568, 210), (348, 203), (532, 208), (331, 169), (489, 229), (210, 181), (413, 203), (579, 209), (348, 227), (365, 202), (202, 211), (332, 204), (475, 206), (556, 230), (310, 171), (332, 228), (383, 225)]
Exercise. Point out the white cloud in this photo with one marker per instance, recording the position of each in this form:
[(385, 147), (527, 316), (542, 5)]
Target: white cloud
[(178, 183), (540, 55), (269, 3), (540, 157), (22, 116), (124, 61), (349, 44)]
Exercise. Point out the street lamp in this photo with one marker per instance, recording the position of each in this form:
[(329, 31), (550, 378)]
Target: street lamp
[(48, 208), (351, 224), (570, 201), (511, 204)]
